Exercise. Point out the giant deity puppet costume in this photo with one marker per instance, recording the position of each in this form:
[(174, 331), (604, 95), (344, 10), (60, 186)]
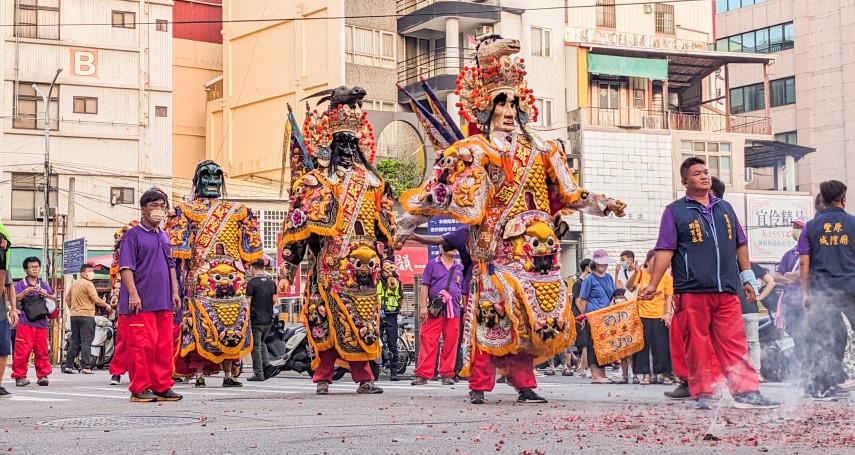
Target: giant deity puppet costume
[(341, 216), (213, 240), (511, 187)]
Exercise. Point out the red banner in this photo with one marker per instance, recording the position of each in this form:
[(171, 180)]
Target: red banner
[(411, 260)]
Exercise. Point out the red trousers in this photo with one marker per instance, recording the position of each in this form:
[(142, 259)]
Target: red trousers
[(148, 350), (678, 351), (432, 328), (359, 371), (714, 328), (119, 364), (31, 340), (482, 372)]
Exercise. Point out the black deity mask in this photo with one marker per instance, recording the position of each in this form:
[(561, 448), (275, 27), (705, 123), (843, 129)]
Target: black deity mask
[(208, 180)]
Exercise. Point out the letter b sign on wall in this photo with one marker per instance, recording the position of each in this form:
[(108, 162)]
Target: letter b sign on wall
[(84, 62)]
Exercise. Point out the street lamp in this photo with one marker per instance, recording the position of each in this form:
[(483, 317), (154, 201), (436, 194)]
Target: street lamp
[(46, 213)]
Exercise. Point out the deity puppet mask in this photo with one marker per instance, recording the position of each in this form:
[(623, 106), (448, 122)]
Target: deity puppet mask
[(345, 147), (208, 180)]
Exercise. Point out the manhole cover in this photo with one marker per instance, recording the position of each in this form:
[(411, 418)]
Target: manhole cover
[(120, 422)]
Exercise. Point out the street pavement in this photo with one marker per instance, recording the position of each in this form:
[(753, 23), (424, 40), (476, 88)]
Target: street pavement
[(80, 414)]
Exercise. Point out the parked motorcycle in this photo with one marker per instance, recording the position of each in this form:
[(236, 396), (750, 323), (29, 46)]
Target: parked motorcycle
[(288, 350), (406, 351), (104, 342)]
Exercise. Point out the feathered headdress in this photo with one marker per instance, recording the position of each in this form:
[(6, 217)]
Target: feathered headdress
[(320, 127)]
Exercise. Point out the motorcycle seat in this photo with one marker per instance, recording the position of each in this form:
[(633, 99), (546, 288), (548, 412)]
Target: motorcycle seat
[(289, 332)]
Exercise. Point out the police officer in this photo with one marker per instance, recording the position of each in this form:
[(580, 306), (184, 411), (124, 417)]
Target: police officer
[(389, 296)]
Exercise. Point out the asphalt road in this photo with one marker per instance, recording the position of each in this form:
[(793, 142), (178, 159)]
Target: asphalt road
[(80, 414)]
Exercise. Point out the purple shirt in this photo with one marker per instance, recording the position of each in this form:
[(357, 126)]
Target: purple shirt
[(436, 275), (792, 292), (19, 287), (459, 240), (803, 245), (668, 228), (148, 254)]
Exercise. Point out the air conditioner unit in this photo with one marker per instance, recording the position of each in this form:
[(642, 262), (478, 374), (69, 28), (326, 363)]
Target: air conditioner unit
[(40, 213), (749, 174), (484, 30), (648, 9)]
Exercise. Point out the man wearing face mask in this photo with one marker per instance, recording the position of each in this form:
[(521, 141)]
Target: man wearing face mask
[(509, 185), (213, 242), (341, 216), (82, 299)]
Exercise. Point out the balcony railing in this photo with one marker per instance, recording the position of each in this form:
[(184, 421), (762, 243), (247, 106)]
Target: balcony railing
[(635, 118), (446, 61), (409, 6)]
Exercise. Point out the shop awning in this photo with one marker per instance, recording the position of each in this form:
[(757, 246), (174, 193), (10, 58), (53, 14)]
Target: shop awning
[(616, 65)]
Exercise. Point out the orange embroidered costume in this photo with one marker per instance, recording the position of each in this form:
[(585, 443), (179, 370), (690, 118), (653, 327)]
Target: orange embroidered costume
[(510, 186), (213, 240), (341, 216)]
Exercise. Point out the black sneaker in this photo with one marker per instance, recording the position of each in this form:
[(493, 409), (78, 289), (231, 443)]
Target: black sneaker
[(168, 395), (418, 380), (5, 393), (43, 381), (368, 387), (394, 378), (21, 382), (144, 397), (323, 388), (231, 382), (476, 396), (824, 395), (501, 380), (704, 403), (115, 379), (256, 378), (753, 400), (528, 396), (200, 383), (680, 393)]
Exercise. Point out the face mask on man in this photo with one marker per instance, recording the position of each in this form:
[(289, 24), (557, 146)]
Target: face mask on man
[(90, 276), (157, 215), (795, 234)]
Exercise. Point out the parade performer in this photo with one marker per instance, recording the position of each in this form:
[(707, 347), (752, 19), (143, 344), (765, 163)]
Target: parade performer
[(119, 363), (341, 215), (213, 240), (510, 186)]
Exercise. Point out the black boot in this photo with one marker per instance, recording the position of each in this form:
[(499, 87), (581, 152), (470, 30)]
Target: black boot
[(528, 396)]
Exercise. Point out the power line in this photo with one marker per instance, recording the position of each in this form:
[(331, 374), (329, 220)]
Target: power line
[(366, 16)]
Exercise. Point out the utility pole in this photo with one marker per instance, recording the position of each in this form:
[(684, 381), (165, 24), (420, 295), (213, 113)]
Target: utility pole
[(46, 214)]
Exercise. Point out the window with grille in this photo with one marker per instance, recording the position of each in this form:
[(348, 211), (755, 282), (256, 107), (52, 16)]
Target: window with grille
[(664, 19), (270, 224), (716, 154), (160, 111), (28, 194), (31, 108), (161, 25), (606, 13), (124, 19), (85, 105), (751, 97), (541, 42), (120, 195), (364, 46), (37, 19)]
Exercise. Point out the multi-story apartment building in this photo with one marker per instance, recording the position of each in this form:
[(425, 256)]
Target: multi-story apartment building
[(197, 58), (643, 95), (812, 88), (110, 114)]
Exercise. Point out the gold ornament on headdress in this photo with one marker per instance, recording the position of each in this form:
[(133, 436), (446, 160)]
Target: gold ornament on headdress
[(476, 84), (320, 127)]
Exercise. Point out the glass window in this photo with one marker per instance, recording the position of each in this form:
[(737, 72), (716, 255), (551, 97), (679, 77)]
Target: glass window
[(161, 25), (783, 91), (735, 43), (790, 137), (31, 108), (28, 193), (664, 19), (748, 42), (720, 6), (699, 147), (85, 105), (776, 38), (369, 47), (38, 19), (721, 45), (733, 4), (762, 41), (789, 36), (541, 45), (737, 101), (124, 19), (544, 112), (724, 169)]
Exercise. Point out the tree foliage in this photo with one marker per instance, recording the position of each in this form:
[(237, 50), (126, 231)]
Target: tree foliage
[(402, 174)]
